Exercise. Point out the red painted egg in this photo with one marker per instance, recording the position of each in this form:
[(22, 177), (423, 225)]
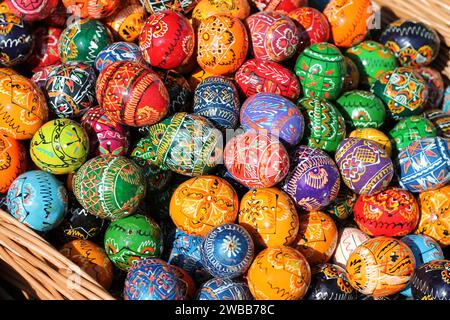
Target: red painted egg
[(282, 6), (32, 10), (392, 213), (132, 94), (273, 36), (259, 76), (45, 52), (167, 40)]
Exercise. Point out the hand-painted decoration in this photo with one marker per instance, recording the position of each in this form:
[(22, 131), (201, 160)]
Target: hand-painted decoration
[(205, 8), (411, 129), (373, 135), (45, 52), (180, 92), (342, 207), (118, 51), (155, 6), (127, 21), (225, 290), (349, 239), (16, 40), (92, 9), (32, 10), (440, 120), (431, 281), (13, 161)]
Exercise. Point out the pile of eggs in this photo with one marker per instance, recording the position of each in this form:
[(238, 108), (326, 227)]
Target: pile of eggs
[(238, 150)]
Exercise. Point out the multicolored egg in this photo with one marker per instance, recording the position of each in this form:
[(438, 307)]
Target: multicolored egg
[(13, 161), (364, 165), (321, 69), (132, 94), (202, 203), (373, 135), (127, 21), (361, 109), (260, 76), (155, 6), (430, 281), (349, 21), (222, 44), (60, 146), (269, 215), (440, 120), (380, 267), (329, 282), (325, 126), (180, 92), (411, 129), (70, 89), (225, 290), (256, 159), (217, 99), (372, 60), (133, 238), (92, 259), (110, 187), (272, 113), (32, 10), (435, 215), (167, 40), (227, 251), (16, 40), (206, 8), (118, 51), (403, 91), (153, 279), (106, 136), (391, 213), (425, 164), (83, 40), (38, 200), (435, 85), (317, 237), (414, 43), (45, 52), (273, 36), (40, 77), (93, 9), (348, 240), (313, 180), (279, 273)]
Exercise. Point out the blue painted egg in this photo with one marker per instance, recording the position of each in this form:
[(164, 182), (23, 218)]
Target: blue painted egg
[(224, 289), (425, 164), (227, 251), (217, 99), (38, 200), (118, 51), (424, 249), (16, 40), (274, 113), (431, 281), (153, 279), (186, 255)]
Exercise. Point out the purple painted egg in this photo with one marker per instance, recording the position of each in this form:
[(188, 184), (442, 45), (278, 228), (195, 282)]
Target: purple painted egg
[(313, 181), (275, 114), (364, 165), (106, 136)]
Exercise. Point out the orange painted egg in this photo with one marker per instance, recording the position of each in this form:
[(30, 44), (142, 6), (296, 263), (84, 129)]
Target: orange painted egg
[(279, 273), (269, 215), (374, 135), (202, 203), (127, 21), (205, 8), (12, 161)]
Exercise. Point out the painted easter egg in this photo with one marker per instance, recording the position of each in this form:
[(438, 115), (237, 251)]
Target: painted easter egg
[(259, 76), (282, 6), (110, 187), (118, 51), (272, 113), (133, 238), (349, 21), (372, 60), (361, 109), (224, 289), (40, 77), (206, 8), (380, 267), (279, 273), (430, 281), (127, 21), (392, 213), (425, 164), (217, 99), (132, 94), (12, 161), (155, 6), (373, 135), (222, 44), (364, 165), (273, 36), (325, 126), (440, 120), (167, 40), (414, 43), (313, 180), (342, 207), (348, 240), (38, 200), (256, 159), (411, 129), (403, 91), (32, 10), (321, 69), (269, 215), (16, 40), (45, 52), (93, 9), (202, 203)]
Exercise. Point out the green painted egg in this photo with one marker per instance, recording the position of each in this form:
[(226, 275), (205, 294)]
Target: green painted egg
[(133, 238), (325, 125), (183, 143), (321, 68), (361, 109), (109, 187), (372, 59), (403, 91), (411, 129)]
